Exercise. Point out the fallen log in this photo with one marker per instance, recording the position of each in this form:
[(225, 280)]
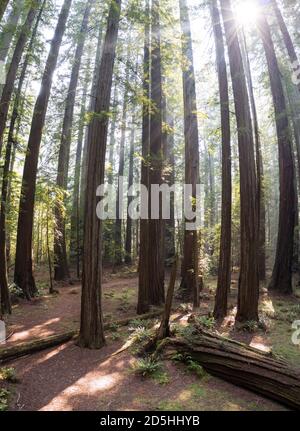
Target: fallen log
[(241, 365), (29, 347)]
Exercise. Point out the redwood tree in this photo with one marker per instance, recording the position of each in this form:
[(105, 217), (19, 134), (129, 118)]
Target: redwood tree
[(282, 271), (23, 276), (224, 271), (61, 269), (155, 226), (248, 289), (143, 289), (189, 270), (91, 326), (3, 6)]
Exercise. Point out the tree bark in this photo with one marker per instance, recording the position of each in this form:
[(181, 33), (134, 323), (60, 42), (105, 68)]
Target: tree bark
[(23, 267), (118, 259), (241, 365), (13, 68), (224, 271), (91, 325), (128, 238), (143, 290), (189, 287), (259, 168), (248, 291), (282, 271), (156, 260), (61, 268), (75, 247)]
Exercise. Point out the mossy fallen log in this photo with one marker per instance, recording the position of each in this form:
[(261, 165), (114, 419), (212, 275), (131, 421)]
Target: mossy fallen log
[(36, 345), (241, 365)]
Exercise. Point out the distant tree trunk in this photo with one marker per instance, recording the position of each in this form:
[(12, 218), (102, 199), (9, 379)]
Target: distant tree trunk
[(119, 203), (170, 180), (13, 68), (61, 268), (282, 271), (259, 168), (5, 301), (75, 217), (189, 270), (3, 6), (143, 290), (128, 238), (224, 271), (286, 37), (83, 179), (9, 30), (248, 292), (156, 260), (91, 326), (23, 267)]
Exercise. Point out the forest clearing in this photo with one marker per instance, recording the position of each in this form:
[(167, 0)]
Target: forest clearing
[(149, 218)]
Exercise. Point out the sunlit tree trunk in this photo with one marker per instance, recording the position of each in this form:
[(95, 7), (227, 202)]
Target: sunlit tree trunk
[(224, 270), (248, 292), (259, 167), (23, 266), (282, 271), (91, 326), (189, 271)]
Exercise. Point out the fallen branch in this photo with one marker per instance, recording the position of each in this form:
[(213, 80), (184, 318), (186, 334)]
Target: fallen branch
[(29, 347), (241, 365)]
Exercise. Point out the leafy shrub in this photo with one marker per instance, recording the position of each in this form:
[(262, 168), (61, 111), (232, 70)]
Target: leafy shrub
[(147, 366), (8, 374)]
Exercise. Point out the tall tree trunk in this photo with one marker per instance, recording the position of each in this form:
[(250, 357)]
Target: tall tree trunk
[(10, 30), (143, 290), (83, 180), (5, 301), (23, 266), (287, 38), (189, 270), (156, 260), (119, 202), (75, 217), (3, 6), (248, 292), (61, 268), (170, 180), (91, 326), (13, 68), (224, 270), (128, 238), (282, 271), (259, 167)]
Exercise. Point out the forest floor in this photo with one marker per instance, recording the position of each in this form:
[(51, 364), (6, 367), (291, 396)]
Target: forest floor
[(70, 378)]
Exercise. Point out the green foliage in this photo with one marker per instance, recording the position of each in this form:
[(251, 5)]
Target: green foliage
[(146, 367), (4, 397), (8, 375), (205, 321)]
